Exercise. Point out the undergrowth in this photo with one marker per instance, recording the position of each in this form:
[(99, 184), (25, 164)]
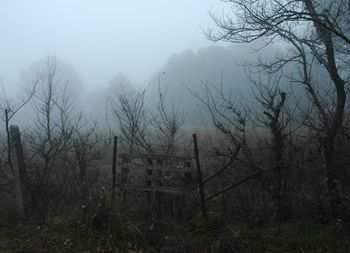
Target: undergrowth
[(95, 225)]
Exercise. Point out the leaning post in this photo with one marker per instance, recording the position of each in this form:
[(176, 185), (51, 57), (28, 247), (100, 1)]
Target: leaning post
[(114, 166), (199, 173), (20, 171)]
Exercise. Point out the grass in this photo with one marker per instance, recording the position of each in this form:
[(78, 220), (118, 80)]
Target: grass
[(63, 234), (92, 225)]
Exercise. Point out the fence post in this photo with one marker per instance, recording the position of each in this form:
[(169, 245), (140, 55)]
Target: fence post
[(199, 172), (19, 171), (114, 166)]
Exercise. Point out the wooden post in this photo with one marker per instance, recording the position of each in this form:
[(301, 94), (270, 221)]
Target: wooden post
[(19, 171), (199, 172), (114, 166)]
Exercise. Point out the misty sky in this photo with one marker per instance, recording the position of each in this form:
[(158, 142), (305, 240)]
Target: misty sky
[(100, 38)]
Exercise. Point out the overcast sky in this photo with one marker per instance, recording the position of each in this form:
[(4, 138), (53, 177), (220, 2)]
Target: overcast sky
[(100, 38)]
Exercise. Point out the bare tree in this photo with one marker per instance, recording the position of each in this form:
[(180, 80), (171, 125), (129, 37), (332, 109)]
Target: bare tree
[(53, 128), (315, 30), (167, 122), (270, 112), (128, 107), (86, 144), (277, 118), (228, 116)]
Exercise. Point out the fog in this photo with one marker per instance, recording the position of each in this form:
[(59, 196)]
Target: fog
[(99, 39), (102, 44)]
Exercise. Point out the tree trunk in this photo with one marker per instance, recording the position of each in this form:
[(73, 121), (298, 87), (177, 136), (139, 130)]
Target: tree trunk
[(333, 180)]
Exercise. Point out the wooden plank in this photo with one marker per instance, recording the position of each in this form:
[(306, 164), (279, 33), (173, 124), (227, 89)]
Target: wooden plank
[(167, 172), (177, 190), (153, 156)]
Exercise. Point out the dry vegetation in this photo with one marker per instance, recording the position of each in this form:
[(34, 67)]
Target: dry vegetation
[(276, 171)]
